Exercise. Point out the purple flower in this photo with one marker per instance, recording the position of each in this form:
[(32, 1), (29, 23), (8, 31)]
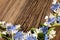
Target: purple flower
[(46, 37), (44, 29), (55, 6), (51, 20), (19, 35), (10, 28), (58, 19), (31, 38)]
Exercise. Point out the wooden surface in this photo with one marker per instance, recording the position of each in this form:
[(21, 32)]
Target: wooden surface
[(28, 13)]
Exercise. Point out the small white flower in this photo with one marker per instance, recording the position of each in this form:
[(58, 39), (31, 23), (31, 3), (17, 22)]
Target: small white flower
[(54, 35), (50, 36), (15, 31), (29, 32), (35, 35), (46, 17), (40, 30), (8, 24), (53, 32), (58, 10), (51, 15), (37, 31), (49, 26), (4, 32), (45, 23), (3, 22), (0, 22), (54, 1), (18, 26), (25, 35), (59, 14)]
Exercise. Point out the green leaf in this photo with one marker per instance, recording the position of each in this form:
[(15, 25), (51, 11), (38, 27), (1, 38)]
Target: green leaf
[(0, 34), (56, 24), (6, 38), (50, 30), (0, 24), (40, 36), (33, 29), (3, 29), (42, 24)]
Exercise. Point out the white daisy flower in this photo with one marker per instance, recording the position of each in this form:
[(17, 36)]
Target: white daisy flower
[(46, 17), (40, 30), (18, 26), (58, 11), (59, 14), (9, 24), (15, 31), (37, 31), (4, 32), (52, 34), (51, 15), (35, 35), (2, 22), (54, 1), (45, 23), (29, 32)]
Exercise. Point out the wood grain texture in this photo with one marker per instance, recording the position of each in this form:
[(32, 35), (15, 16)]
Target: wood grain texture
[(28, 13)]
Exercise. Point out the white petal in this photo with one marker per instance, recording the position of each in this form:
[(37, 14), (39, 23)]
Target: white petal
[(8, 24), (0, 22), (52, 32), (54, 1), (3, 22), (46, 17), (59, 14), (50, 36), (51, 15), (4, 32), (15, 31), (17, 26), (37, 30), (45, 23), (58, 10)]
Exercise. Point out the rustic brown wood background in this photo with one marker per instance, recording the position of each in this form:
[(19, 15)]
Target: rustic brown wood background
[(28, 13)]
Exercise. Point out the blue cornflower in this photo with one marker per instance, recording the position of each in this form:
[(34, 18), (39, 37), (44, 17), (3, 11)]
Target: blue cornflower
[(51, 20), (55, 6), (10, 28), (44, 29), (31, 38), (46, 37), (19, 35), (58, 19)]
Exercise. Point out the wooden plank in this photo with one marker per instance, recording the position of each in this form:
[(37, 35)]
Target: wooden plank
[(28, 13)]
